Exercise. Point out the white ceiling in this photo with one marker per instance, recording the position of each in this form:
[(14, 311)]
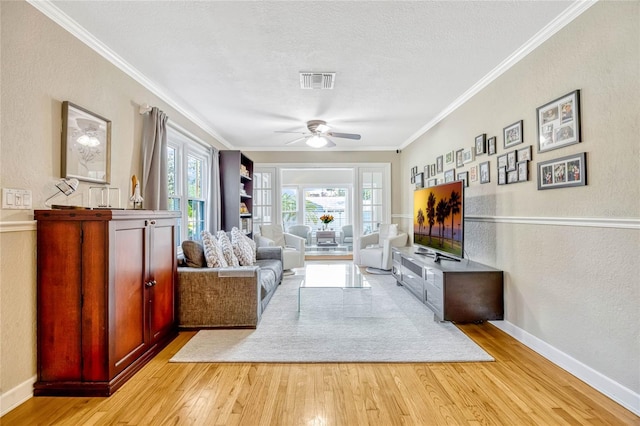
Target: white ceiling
[(233, 66)]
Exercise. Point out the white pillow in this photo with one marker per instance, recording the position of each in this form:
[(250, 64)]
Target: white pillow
[(273, 232), (212, 251), (241, 248), (388, 231), (227, 249)]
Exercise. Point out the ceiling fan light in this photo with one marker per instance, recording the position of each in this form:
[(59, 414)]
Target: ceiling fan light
[(316, 141)]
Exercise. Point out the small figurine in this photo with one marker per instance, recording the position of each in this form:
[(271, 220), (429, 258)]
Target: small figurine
[(136, 198)]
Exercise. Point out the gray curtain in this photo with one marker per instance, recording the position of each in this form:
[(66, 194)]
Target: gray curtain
[(154, 161), (215, 202)]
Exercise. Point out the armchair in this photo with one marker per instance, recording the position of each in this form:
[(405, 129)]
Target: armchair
[(346, 236), (303, 231), (292, 245), (375, 248)]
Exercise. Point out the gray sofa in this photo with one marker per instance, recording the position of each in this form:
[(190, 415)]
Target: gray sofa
[(227, 297)]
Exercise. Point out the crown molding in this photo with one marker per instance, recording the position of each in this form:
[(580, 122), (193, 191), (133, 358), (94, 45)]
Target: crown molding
[(59, 17), (562, 20)]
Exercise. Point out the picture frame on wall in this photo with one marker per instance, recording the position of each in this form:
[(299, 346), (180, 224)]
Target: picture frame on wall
[(432, 182), (86, 145), (459, 162), (502, 161), (473, 173), (512, 134), (523, 171), (468, 155), (559, 122), (485, 176), (491, 145), (449, 157), (450, 175), (464, 176), (481, 144), (563, 172), (426, 171), (433, 170), (419, 181), (512, 176), (511, 161), (524, 154), (439, 164), (502, 175)]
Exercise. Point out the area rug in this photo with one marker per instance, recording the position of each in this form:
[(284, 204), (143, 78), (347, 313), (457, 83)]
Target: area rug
[(385, 325)]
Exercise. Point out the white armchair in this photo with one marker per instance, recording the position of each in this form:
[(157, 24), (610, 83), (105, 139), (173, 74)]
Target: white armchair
[(303, 231), (292, 245), (375, 249)]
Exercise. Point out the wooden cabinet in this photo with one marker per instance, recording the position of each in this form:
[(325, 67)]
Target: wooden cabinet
[(105, 295), (236, 181), (462, 291)]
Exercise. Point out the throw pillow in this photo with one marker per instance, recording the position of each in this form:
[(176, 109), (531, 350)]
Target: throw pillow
[(212, 251), (273, 232), (194, 254), (241, 248), (227, 249)]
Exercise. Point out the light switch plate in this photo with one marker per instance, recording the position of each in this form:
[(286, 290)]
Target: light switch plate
[(16, 199)]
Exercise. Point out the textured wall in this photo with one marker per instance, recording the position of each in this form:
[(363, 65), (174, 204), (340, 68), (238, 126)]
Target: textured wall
[(42, 66), (574, 287)]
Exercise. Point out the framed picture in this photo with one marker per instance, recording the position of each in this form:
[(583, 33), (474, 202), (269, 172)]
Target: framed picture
[(450, 175), (513, 134), (419, 181), (426, 171), (559, 122), (484, 172), (523, 171), (512, 176), (449, 157), (439, 165), (481, 144), (86, 145), (459, 162), (433, 170), (491, 145), (502, 175), (473, 174), (468, 155), (524, 154), (432, 182), (464, 176), (562, 172), (502, 161), (511, 161), (413, 179)]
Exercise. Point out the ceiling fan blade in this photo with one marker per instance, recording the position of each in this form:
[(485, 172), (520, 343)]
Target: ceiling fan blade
[(344, 135), (330, 143), (296, 140), (286, 131)]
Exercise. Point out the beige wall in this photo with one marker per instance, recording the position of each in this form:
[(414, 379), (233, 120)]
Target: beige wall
[(575, 287), (42, 66)]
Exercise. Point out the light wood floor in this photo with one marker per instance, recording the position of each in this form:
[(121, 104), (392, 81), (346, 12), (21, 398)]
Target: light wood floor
[(520, 388)]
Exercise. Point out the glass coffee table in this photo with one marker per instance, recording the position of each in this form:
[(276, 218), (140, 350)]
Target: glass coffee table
[(345, 277)]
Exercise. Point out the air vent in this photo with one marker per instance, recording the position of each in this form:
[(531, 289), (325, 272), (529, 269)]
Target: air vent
[(320, 80)]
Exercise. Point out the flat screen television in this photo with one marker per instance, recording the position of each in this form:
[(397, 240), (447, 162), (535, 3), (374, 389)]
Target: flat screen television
[(438, 221)]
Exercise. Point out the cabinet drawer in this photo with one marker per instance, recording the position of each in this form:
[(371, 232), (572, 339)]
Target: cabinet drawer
[(413, 282)]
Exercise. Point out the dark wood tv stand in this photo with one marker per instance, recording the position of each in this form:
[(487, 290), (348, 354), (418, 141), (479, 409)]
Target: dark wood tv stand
[(463, 291)]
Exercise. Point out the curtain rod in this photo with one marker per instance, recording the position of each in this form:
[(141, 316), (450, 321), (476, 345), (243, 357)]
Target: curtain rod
[(145, 108)]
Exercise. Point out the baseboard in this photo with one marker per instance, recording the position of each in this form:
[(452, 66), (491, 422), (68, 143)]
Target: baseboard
[(16, 396), (617, 392)]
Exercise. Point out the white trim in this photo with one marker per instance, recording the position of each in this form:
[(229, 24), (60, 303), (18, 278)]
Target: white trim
[(59, 17), (593, 222), (614, 390), (572, 12), (178, 128), (16, 396), (18, 226)]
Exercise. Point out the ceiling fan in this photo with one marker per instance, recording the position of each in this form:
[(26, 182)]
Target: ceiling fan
[(318, 135)]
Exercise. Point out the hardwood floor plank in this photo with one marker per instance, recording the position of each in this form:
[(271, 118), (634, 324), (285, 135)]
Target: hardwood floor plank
[(519, 388)]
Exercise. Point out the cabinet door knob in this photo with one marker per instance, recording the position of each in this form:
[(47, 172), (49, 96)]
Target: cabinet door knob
[(150, 284)]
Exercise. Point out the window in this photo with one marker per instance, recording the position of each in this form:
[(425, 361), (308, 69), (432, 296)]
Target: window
[(263, 193), (188, 183), (372, 200)]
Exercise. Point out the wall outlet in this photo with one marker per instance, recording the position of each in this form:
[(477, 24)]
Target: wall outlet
[(16, 199)]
